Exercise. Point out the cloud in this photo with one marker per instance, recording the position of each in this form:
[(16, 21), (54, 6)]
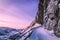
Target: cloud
[(16, 15), (9, 21)]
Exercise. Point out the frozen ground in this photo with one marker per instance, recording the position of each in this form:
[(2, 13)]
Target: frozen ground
[(38, 33), (43, 34)]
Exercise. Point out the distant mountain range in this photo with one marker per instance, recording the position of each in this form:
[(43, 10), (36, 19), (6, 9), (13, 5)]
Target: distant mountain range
[(5, 31)]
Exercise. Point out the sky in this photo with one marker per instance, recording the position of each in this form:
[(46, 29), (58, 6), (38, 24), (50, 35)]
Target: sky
[(17, 13)]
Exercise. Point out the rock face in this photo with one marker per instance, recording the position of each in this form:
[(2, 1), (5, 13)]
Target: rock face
[(49, 14), (53, 12), (39, 17)]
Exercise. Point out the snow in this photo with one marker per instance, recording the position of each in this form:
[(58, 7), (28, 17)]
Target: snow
[(43, 34), (38, 33)]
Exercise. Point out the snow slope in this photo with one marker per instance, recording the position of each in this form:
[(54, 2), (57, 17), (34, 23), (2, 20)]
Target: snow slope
[(42, 34), (39, 33)]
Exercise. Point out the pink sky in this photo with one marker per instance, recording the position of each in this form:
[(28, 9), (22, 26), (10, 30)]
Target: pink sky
[(9, 21), (11, 16)]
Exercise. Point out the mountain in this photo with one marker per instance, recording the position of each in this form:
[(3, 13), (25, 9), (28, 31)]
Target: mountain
[(6, 32)]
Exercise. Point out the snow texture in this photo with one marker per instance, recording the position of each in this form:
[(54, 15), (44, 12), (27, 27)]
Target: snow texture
[(39, 33)]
